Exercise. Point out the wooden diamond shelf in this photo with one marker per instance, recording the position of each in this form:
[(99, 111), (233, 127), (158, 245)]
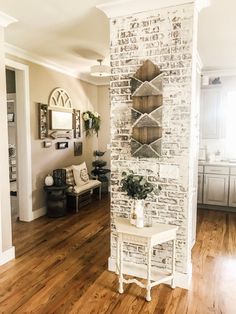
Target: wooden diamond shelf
[(146, 88)]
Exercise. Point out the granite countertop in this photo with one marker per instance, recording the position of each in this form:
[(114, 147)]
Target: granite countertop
[(217, 163)]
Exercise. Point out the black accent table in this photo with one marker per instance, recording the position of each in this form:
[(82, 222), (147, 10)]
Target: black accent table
[(56, 200)]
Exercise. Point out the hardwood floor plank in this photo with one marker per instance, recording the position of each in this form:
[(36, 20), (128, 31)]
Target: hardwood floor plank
[(61, 267)]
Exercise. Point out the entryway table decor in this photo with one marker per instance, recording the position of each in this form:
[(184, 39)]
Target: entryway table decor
[(138, 188), (147, 237)]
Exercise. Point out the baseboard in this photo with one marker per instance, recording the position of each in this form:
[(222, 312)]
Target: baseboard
[(217, 208), (39, 212), (181, 280), (7, 256)]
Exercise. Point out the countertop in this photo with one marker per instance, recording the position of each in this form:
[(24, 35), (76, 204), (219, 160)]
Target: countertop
[(217, 163)]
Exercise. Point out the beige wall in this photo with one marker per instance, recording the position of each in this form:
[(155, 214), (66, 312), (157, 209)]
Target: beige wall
[(84, 97)]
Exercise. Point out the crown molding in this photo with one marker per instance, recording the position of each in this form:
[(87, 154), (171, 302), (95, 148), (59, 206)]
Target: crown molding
[(6, 20), (219, 72), (199, 61), (128, 7), (34, 58), (202, 4)]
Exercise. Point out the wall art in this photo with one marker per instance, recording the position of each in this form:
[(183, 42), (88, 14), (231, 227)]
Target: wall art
[(43, 121), (146, 115), (47, 144), (76, 123), (78, 148), (62, 145), (60, 98)]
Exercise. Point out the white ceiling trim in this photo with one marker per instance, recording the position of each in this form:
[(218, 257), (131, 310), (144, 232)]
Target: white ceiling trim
[(127, 7), (199, 61), (26, 55), (34, 58), (202, 4), (6, 20), (219, 72)]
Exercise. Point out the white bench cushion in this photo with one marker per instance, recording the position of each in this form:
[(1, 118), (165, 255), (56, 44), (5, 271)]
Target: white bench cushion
[(86, 187)]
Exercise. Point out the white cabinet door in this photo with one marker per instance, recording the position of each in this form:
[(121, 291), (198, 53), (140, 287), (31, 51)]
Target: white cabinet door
[(232, 191), (216, 189), (210, 113), (200, 188)]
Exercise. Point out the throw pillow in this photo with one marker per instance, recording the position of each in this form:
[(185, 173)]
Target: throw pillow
[(80, 174), (69, 176)]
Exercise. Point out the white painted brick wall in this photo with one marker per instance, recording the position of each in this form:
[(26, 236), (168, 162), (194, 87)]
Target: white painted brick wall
[(165, 37)]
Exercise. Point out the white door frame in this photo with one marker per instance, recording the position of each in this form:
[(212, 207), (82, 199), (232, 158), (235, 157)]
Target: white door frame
[(24, 164)]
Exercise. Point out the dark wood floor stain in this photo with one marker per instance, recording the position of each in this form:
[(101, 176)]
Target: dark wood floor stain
[(61, 267)]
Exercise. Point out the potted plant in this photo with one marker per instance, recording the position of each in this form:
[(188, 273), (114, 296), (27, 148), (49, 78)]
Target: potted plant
[(92, 121), (138, 188)]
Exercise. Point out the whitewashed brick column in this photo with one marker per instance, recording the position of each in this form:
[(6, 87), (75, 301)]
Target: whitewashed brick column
[(165, 36)]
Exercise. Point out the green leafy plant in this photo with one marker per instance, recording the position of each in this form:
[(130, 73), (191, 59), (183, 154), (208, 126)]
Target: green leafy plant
[(92, 122), (137, 187)]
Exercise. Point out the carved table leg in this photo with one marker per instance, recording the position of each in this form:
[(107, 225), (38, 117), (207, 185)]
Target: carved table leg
[(148, 297), (173, 265), (117, 255), (121, 290)]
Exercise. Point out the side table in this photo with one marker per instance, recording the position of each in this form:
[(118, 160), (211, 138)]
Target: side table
[(56, 200), (148, 237)]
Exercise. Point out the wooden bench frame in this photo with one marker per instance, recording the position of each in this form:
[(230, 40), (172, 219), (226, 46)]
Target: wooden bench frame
[(91, 189)]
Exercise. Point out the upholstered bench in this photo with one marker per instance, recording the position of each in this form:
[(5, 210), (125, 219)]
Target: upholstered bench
[(80, 184)]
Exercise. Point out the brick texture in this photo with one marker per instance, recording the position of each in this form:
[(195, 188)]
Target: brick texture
[(165, 37)]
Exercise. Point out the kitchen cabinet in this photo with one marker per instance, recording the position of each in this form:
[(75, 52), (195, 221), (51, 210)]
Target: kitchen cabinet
[(216, 189), (217, 185), (200, 185), (200, 188), (210, 117), (232, 191)]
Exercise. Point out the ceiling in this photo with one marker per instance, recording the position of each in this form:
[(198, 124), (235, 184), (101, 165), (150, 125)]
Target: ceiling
[(216, 37), (73, 34)]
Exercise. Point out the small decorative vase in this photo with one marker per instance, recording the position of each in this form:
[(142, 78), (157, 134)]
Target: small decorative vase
[(133, 216), (139, 213), (48, 180), (147, 215)]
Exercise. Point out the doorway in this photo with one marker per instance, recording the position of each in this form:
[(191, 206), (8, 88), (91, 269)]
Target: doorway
[(23, 167), (12, 143)]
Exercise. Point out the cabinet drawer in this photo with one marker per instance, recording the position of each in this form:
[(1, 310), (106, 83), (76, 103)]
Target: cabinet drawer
[(233, 171), (200, 169), (216, 170)]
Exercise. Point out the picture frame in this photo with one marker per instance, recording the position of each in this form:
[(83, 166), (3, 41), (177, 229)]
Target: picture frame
[(78, 148), (47, 144), (62, 145), (76, 123), (43, 121), (11, 117)]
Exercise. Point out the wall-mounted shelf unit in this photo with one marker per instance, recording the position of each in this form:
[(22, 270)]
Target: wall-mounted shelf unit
[(146, 116)]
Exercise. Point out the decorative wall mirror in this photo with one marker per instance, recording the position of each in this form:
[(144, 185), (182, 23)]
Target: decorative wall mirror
[(59, 117)]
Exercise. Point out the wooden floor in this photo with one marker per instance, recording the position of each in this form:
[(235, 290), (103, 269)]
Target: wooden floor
[(61, 268)]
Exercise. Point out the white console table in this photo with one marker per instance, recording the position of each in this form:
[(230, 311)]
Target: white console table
[(148, 237)]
